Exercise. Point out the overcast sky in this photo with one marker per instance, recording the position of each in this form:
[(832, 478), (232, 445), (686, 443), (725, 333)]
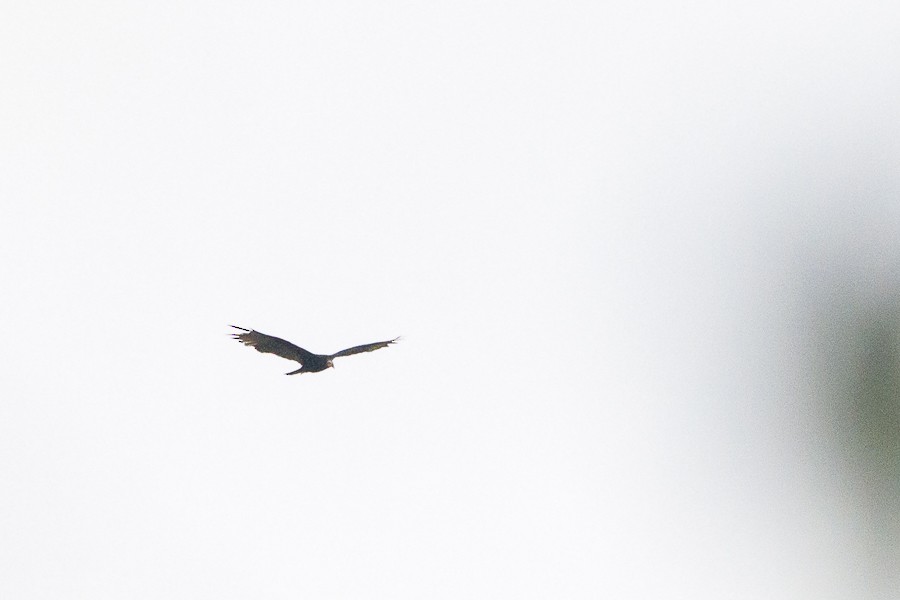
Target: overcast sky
[(615, 236)]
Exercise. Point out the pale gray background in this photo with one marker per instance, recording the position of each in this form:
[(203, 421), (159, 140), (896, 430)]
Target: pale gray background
[(644, 257)]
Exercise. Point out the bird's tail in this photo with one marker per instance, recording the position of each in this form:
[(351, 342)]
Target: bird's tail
[(295, 372)]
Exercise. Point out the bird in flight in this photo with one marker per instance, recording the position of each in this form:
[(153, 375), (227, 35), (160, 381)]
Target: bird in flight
[(309, 362)]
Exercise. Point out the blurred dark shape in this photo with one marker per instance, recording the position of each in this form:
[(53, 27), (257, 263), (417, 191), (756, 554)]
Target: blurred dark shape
[(874, 442), (856, 367)]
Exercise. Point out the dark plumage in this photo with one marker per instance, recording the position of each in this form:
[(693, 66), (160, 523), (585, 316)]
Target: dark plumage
[(310, 363)]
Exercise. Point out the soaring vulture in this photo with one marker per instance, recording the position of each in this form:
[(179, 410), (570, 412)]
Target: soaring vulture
[(310, 363)]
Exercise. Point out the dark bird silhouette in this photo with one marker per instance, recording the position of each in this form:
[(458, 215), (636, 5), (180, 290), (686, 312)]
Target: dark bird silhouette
[(309, 362)]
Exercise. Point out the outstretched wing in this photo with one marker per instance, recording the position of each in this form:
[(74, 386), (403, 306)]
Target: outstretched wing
[(273, 345), (364, 348)]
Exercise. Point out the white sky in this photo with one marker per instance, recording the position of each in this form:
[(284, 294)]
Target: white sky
[(583, 217)]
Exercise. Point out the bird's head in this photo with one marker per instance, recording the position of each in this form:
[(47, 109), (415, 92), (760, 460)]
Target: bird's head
[(329, 364)]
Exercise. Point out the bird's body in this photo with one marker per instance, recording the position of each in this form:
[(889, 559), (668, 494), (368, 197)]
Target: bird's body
[(309, 362)]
